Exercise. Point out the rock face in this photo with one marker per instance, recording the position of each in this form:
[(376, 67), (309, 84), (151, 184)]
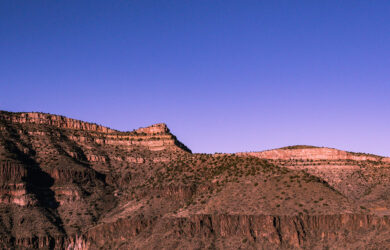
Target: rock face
[(314, 153), (53, 120), (69, 184), (160, 128), (156, 137)]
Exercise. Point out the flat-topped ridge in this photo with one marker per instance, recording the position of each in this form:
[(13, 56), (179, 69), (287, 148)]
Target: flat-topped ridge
[(70, 123), (157, 136), (303, 152), (52, 120)]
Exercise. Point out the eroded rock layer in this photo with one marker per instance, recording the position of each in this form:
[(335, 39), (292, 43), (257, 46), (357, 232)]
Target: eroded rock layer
[(69, 184)]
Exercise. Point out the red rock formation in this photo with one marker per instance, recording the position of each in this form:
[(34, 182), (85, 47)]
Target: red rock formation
[(53, 120), (314, 153), (160, 128), (69, 184)]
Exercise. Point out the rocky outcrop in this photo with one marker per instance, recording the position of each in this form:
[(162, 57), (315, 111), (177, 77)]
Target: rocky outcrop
[(269, 231), (156, 137), (78, 243), (13, 189), (299, 231), (314, 153), (52, 120), (11, 172), (357, 176), (35, 242), (69, 184), (73, 175), (177, 192), (104, 234), (48, 242), (160, 128)]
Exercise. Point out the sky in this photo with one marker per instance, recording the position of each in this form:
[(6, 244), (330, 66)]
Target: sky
[(226, 76)]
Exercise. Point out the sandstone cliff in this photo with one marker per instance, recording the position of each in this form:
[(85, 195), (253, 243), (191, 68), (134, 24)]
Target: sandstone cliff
[(69, 184)]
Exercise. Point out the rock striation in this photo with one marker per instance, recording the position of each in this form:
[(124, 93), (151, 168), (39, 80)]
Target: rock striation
[(314, 153), (52, 120), (69, 184)]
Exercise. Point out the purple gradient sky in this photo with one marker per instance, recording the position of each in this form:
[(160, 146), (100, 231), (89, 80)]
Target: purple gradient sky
[(226, 76)]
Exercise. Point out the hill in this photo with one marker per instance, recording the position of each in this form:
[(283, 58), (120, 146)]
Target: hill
[(69, 184)]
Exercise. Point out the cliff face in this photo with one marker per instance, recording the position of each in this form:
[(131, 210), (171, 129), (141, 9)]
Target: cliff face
[(223, 231), (59, 175), (52, 120), (69, 184), (156, 137), (271, 231)]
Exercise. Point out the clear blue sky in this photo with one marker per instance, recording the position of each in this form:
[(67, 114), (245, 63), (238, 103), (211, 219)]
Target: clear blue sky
[(226, 76)]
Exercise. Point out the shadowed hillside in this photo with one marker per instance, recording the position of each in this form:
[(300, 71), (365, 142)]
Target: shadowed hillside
[(69, 184)]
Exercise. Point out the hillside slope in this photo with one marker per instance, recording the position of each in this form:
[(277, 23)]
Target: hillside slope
[(69, 184)]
